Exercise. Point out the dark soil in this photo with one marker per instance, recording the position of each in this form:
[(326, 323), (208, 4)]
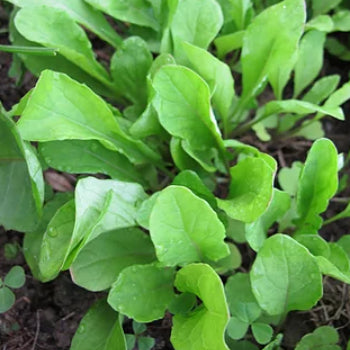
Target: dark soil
[(46, 316)]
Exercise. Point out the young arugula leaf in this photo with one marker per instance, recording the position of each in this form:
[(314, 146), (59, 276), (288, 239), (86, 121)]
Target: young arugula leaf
[(203, 328), (250, 190), (229, 263), (73, 43), (322, 23), (341, 21), (15, 278), (89, 156), (139, 12), (22, 186), (322, 89), (101, 260), (183, 103), (70, 113), (7, 299), (217, 75), (318, 183), (129, 68), (278, 276), (143, 292), (99, 329), (338, 97), (185, 229), (56, 241), (195, 24), (288, 178), (322, 338), (262, 332), (316, 245), (310, 60), (80, 12), (320, 7), (270, 46), (229, 42), (256, 232)]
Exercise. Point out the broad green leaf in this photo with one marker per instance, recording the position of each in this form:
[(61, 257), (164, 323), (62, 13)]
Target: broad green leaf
[(250, 190), (240, 12), (21, 182), (310, 60), (88, 157), (104, 205), (322, 89), (183, 103), (262, 332), (191, 180), (139, 12), (184, 228), (15, 278), (328, 268), (301, 108), (80, 12), (56, 241), (318, 183), (341, 21), (129, 68), (316, 245), (143, 292), (101, 260), (99, 329), (322, 338), (270, 46), (320, 7), (285, 276), (39, 24), (236, 328), (195, 24), (217, 75), (229, 42), (229, 263), (203, 328), (311, 130), (145, 210), (322, 23), (256, 232), (7, 299), (182, 303), (288, 178), (62, 109), (33, 240), (240, 298)]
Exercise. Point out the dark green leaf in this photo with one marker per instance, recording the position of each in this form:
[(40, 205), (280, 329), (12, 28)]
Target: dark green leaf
[(15, 278), (7, 299), (322, 338)]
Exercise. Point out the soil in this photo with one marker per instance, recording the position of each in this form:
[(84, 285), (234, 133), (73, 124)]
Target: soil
[(46, 316)]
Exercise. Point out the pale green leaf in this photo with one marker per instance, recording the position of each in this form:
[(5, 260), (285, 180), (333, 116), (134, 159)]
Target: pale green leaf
[(322, 23), (229, 42), (15, 278), (288, 178), (322, 338), (341, 21)]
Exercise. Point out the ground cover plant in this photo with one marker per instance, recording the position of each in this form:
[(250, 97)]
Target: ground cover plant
[(167, 194)]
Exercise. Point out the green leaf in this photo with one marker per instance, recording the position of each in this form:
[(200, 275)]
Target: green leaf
[(328, 268), (322, 338), (236, 328), (80, 12), (183, 103), (56, 242), (339, 96), (270, 46), (38, 24), (143, 292), (285, 276), (145, 343), (15, 278), (138, 327), (310, 60), (145, 209), (275, 344), (240, 298), (320, 7), (344, 242), (262, 332), (229, 42), (7, 299), (139, 12), (318, 183), (89, 157), (195, 24), (184, 228), (322, 23), (316, 245), (311, 130), (229, 263), (250, 190), (322, 89), (62, 109), (240, 345), (129, 68), (217, 75), (256, 232), (288, 178), (342, 21), (99, 330), (21, 180), (104, 205), (101, 260), (203, 328), (182, 303)]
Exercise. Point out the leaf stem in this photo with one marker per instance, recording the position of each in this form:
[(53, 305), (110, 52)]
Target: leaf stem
[(32, 50)]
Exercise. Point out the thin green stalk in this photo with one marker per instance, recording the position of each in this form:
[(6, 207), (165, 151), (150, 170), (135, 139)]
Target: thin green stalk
[(32, 50)]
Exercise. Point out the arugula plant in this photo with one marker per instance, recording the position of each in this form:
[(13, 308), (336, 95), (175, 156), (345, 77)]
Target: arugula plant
[(181, 192)]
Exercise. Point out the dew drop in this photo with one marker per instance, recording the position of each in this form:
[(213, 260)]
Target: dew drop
[(52, 232)]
